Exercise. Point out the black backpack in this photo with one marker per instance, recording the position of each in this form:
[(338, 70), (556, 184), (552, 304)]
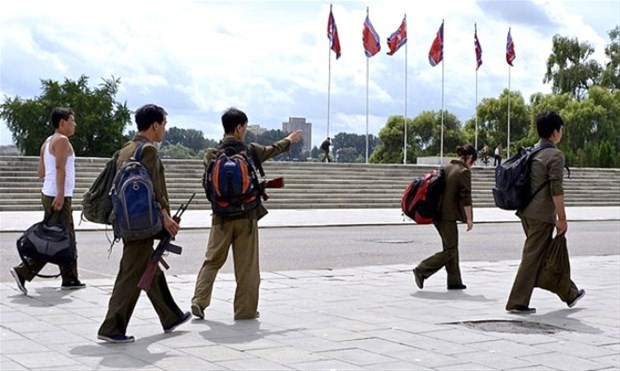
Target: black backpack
[(511, 190)]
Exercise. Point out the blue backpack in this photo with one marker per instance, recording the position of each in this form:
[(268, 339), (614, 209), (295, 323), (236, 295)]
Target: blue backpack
[(136, 213), (512, 187)]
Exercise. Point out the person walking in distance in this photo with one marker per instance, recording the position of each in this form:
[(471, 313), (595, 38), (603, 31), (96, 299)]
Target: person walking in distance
[(325, 148), (541, 216), (57, 168), (151, 124), (497, 155), (456, 206), (240, 232)]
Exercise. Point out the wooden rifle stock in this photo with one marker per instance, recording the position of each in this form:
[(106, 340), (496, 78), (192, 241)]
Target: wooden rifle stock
[(273, 183), (164, 245)]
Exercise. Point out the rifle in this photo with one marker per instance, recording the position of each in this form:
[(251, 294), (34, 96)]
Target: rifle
[(164, 245), (264, 184), (273, 183)]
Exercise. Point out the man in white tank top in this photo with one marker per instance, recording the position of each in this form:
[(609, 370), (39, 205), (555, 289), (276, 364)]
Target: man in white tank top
[(57, 168)]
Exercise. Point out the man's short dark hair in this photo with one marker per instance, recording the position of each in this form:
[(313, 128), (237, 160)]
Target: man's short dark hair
[(149, 114), (547, 122), (233, 117), (60, 113)]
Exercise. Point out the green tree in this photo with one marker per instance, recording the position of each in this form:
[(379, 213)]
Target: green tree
[(611, 74), (390, 148), (355, 141), (568, 67), (190, 138), (100, 119), (588, 123), (493, 121), (176, 151), (426, 133)]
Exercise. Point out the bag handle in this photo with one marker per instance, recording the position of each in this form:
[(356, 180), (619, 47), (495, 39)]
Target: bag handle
[(48, 217)]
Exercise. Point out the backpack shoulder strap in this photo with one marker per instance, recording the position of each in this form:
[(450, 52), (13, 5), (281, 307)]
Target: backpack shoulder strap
[(137, 153)]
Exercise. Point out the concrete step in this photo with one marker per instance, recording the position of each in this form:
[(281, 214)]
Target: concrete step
[(307, 185)]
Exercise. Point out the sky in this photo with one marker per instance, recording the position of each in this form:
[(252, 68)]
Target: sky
[(272, 59)]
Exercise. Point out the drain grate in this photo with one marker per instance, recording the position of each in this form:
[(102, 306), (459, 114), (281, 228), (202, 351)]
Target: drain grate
[(512, 327)]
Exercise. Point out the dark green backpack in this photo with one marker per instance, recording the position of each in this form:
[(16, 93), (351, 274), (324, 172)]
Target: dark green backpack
[(96, 202)]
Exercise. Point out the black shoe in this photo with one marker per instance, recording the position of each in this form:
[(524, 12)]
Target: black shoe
[(580, 295), (255, 316), (184, 318), (19, 280), (72, 285), (117, 339), (198, 311), (457, 287), (419, 278), (522, 310)]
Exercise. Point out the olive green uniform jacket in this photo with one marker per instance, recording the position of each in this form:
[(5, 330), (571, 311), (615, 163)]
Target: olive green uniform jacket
[(136, 255), (456, 195), (242, 234), (538, 222)]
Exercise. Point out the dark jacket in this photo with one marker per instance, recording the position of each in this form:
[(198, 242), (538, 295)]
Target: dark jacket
[(457, 193)]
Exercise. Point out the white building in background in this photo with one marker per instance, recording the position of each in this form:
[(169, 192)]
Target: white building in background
[(299, 123)]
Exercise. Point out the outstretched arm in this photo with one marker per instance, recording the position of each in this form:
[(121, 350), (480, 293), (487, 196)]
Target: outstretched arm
[(266, 152)]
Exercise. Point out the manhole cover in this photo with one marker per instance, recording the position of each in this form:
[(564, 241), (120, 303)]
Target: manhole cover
[(513, 327)]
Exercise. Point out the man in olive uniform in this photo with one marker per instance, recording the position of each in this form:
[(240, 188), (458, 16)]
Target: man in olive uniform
[(151, 122), (241, 231), (542, 215)]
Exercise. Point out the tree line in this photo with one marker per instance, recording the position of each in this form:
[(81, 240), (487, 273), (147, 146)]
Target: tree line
[(584, 92)]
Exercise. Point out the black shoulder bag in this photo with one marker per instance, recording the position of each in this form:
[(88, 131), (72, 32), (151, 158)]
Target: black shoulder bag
[(51, 243)]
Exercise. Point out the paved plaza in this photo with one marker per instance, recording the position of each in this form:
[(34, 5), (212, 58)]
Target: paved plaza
[(363, 318)]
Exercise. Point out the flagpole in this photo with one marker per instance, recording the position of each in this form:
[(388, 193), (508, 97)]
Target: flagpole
[(476, 110), (443, 63), (508, 145), (367, 78), (476, 106), (405, 118), (367, 74), (329, 84)]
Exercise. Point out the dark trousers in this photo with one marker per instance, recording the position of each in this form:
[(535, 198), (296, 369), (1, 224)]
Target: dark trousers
[(448, 257), (125, 293), (497, 160), (538, 237), (68, 272), (326, 156)]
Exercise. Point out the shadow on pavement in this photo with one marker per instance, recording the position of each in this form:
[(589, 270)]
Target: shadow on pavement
[(239, 332), (449, 295), (114, 355)]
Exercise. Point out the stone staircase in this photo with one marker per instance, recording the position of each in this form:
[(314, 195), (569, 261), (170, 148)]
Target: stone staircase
[(307, 185)]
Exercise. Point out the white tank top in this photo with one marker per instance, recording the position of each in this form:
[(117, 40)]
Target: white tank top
[(49, 182)]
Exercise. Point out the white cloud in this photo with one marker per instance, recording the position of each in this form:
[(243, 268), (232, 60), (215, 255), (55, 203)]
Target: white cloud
[(196, 58)]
